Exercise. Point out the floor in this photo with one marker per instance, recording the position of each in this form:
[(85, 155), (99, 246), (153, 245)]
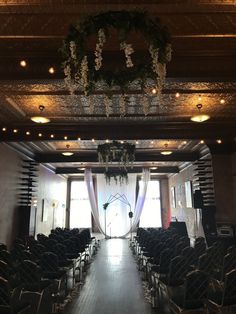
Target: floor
[(113, 284)]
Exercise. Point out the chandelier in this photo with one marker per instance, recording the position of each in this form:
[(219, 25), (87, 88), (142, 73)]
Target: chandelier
[(115, 152), (88, 70)]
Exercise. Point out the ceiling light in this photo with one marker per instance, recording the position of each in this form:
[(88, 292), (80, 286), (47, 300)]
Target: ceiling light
[(107, 141), (93, 140), (166, 151), (52, 135), (154, 91), (23, 63), (177, 95), (219, 141), (199, 98), (27, 133), (15, 130), (82, 169), (78, 138), (152, 142), (65, 137), (200, 117), (202, 142), (40, 118), (153, 168), (67, 153), (222, 101), (4, 129), (184, 142), (136, 142), (51, 70), (122, 142), (40, 134)]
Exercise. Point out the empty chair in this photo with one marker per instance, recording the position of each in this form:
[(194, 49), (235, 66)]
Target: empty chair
[(224, 298), (7, 304), (192, 297)]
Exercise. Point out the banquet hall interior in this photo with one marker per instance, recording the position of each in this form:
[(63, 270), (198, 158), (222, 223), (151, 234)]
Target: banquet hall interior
[(117, 155)]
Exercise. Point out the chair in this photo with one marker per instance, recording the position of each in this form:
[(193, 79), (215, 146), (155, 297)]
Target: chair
[(7, 306), (192, 297), (225, 297)]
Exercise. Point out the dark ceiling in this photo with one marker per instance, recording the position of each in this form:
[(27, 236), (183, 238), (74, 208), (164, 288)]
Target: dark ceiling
[(203, 65)]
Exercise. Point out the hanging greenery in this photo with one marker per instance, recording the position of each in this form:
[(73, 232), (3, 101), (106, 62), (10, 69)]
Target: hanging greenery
[(123, 153), (83, 69), (120, 176)]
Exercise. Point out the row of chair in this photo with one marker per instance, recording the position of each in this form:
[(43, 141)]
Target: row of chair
[(190, 277), (39, 274)]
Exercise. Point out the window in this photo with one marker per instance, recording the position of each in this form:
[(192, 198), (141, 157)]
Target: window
[(80, 209), (151, 214)]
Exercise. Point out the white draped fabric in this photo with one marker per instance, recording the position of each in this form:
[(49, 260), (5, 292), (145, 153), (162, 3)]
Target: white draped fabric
[(118, 223)]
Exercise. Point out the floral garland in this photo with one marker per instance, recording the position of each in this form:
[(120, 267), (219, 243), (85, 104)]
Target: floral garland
[(83, 71)]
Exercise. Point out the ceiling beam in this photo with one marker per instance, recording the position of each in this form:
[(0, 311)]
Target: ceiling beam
[(93, 157), (76, 170), (121, 129)]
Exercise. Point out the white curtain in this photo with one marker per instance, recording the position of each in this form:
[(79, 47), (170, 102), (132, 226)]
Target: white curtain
[(94, 207), (117, 219)]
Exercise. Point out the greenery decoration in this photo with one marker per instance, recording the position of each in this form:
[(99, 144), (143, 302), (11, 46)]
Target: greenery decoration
[(120, 175), (123, 153), (83, 70)]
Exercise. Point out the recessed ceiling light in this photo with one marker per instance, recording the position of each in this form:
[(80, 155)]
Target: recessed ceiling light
[(107, 141), (154, 91), (222, 101), (79, 139), (136, 142), (152, 142), (23, 63), (122, 142), (15, 130), (65, 137), (51, 70), (177, 95), (52, 135), (4, 129), (219, 141), (93, 140), (202, 141), (153, 168), (199, 98), (40, 118), (184, 142), (27, 133), (82, 169), (40, 134)]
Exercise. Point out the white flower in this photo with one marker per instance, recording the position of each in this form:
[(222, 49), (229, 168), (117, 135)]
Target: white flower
[(84, 74), (168, 52), (73, 50), (98, 50), (128, 49)]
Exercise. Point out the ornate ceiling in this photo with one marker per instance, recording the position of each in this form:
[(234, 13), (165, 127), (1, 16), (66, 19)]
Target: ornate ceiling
[(203, 65)]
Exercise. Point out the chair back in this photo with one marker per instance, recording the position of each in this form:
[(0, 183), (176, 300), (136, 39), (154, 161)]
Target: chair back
[(196, 289), (165, 259), (177, 271), (49, 262), (4, 292), (229, 263), (30, 275), (189, 255), (229, 294), (4, 270)]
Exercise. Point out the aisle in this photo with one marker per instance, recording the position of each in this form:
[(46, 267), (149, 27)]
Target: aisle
[(113, 284)]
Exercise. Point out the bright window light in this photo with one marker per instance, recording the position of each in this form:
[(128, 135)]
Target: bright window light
[(151, 214), (80, 209)]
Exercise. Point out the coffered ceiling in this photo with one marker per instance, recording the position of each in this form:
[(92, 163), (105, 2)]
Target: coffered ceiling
[(202, 70)]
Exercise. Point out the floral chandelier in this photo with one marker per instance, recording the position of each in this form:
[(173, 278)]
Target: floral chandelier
[(90, 73), (116, 152)]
